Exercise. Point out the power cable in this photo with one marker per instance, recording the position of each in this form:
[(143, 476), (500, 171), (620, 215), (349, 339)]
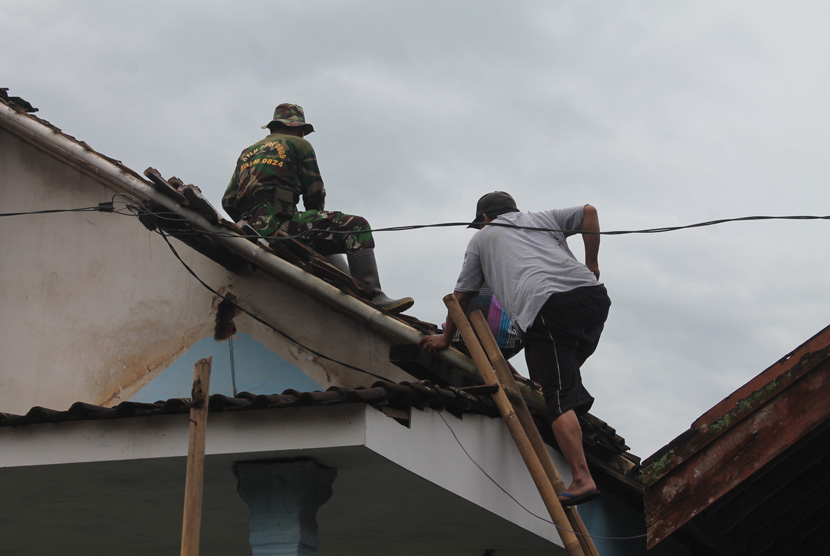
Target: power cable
[(664, 229), (102, 207), (455, 436), (522, 506), (164, 236), (141, 212), (137, 209), (457, 440), (347, 365), (176, 217)]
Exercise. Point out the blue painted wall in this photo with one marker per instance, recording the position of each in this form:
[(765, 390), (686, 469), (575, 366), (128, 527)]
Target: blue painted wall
[(255, 369), (619, 530)]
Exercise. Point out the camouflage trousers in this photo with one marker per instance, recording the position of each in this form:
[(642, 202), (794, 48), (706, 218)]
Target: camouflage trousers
[(322, 230)]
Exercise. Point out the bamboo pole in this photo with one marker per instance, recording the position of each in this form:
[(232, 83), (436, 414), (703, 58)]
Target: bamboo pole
[(505, 376), (537, 471), (194, 481)]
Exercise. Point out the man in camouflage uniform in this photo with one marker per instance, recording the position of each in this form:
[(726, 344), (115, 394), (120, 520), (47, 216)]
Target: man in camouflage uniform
[(271, 176)]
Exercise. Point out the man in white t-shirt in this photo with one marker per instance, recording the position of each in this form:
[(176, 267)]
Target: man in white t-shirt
[(558, 305)]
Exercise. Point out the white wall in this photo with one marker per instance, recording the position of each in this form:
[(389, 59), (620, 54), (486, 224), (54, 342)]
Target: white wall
[(95, 305)]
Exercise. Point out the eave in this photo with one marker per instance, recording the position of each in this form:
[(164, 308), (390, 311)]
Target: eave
[(749, 476), (400, 487)]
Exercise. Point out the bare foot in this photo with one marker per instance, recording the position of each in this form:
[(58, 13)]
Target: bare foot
[(575, 489), (572, 496)]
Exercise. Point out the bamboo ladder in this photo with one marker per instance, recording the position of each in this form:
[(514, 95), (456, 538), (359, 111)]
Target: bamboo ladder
[(496, 372)]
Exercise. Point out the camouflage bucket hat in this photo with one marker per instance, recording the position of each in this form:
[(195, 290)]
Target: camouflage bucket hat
[(290, 115)]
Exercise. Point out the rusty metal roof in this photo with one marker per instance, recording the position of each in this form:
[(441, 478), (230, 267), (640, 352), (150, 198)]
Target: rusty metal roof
[(750, 475)]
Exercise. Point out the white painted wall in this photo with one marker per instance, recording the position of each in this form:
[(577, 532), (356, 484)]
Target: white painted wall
[(474, 457), (95, 305), (380, 463)]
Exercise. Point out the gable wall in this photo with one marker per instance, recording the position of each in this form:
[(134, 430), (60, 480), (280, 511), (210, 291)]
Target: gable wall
[(95, 305)]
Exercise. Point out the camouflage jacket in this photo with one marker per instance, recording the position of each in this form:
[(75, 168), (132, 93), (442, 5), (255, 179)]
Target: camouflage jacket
[(277, 170)]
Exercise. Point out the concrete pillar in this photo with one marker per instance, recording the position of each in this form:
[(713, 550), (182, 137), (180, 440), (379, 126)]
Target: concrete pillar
[(284, 497)]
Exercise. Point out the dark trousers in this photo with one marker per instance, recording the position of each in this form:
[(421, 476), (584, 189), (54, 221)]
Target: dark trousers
[(565, 333)]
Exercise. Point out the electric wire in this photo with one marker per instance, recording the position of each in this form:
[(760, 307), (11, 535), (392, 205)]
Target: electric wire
[(53, 211), (164, 236), (522, 506), (260, 320), (134, 207), (610, 232), (176, 217), (139, 210)]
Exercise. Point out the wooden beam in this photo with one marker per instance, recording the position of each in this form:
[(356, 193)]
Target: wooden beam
[(741, 451), (738, 406), (194, 481)]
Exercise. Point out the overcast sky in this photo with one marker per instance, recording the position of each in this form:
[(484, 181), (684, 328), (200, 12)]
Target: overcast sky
[(657, 113)]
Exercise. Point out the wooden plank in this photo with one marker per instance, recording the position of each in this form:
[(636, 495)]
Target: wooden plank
[(194, 481), (738, 406), (800, 360), (740, 452)]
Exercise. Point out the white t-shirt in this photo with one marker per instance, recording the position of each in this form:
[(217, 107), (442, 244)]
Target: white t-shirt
[(524, 267)]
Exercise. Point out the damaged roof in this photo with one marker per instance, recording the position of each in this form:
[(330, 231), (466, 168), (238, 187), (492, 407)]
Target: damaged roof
[(750, 475), (394, 399), (605, 450)]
